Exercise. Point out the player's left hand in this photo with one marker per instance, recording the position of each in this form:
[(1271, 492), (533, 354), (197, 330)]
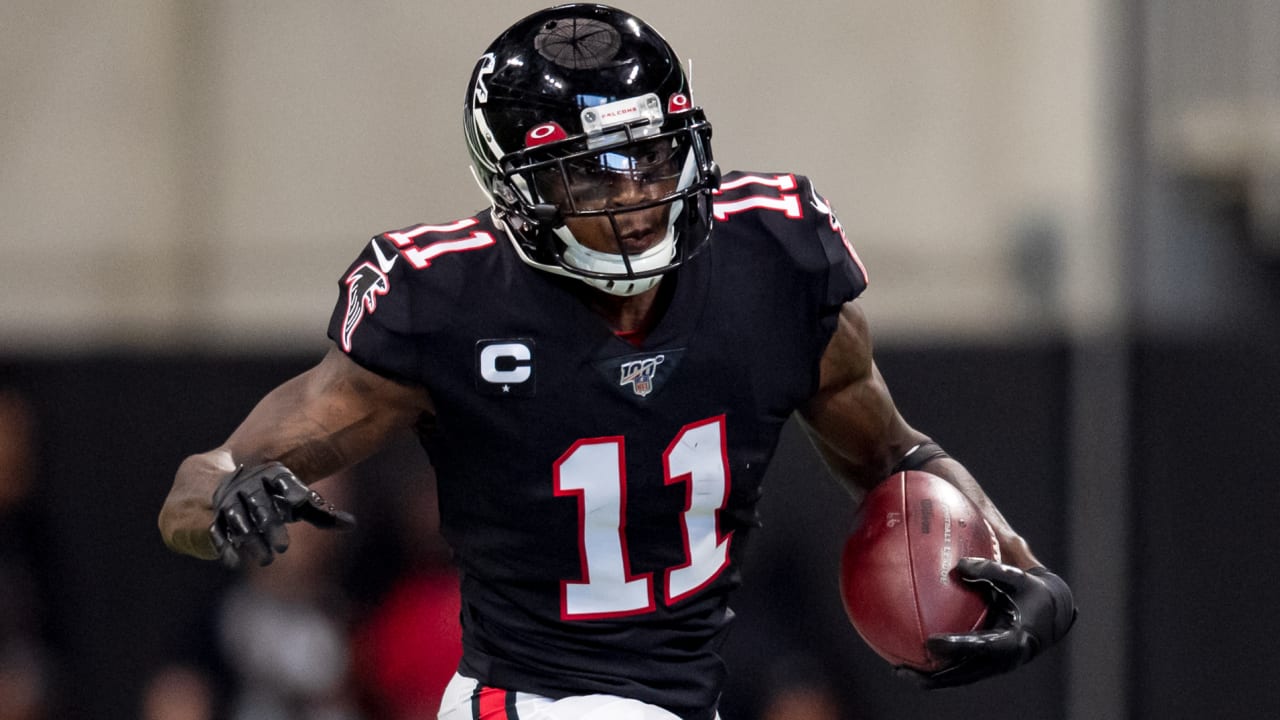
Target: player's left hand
[(252, 506), (1031, 610)]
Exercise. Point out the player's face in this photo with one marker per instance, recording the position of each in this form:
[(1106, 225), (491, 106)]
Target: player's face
[(614, 180), (637, 230)]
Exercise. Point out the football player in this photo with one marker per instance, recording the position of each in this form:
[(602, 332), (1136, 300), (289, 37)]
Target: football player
[(599, 366)]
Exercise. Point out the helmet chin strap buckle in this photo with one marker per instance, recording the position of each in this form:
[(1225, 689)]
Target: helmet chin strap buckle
[(547, 215), (712, 172)]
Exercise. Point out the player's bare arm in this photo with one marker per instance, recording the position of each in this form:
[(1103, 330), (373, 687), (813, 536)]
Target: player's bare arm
[(862, 436), (328, 418), (852, 419)]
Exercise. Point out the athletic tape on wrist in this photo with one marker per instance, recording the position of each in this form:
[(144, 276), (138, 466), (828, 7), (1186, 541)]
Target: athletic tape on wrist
[(919, 456)]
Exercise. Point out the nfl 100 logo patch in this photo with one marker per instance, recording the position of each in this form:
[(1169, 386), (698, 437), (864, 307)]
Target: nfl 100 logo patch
[(640, 376)]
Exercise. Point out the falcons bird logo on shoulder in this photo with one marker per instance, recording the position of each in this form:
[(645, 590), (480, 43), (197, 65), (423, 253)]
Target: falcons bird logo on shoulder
[(364, 285)]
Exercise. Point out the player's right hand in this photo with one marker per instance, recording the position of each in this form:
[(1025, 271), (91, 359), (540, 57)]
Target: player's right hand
[(252, 506)]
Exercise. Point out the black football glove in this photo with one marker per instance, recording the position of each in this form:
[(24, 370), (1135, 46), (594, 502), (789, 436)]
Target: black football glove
[(1031, 610), (252, 505)]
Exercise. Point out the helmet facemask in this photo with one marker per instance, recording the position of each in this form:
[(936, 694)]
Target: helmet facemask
[(625, 192)]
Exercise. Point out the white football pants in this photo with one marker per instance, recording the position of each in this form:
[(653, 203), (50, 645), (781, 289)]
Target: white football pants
[(464, 699)]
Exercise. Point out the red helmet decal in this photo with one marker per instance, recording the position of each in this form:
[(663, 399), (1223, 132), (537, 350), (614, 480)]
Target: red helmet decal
[(547, 132), (678, 102)]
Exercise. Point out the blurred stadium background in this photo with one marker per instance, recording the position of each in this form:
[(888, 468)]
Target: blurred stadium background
[(1070, 212)]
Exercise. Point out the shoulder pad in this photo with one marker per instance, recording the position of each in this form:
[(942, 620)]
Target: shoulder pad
[(787, 208)]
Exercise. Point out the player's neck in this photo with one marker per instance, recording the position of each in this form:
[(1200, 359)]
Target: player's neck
[(634, 313)]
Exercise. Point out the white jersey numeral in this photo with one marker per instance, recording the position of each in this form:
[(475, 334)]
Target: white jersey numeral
[(697, 458), (786, 204), (782, 201), (593, 470), (421, 257)]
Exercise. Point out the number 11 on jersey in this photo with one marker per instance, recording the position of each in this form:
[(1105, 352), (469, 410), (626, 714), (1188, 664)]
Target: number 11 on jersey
[(594, 470)]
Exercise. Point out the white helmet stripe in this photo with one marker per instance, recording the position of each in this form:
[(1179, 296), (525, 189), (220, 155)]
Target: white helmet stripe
[(486, 136)]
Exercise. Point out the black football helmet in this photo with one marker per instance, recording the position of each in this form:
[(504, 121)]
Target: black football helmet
[(583, 111)]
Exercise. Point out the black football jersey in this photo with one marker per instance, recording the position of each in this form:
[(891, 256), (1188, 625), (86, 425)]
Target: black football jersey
[(597, 494)]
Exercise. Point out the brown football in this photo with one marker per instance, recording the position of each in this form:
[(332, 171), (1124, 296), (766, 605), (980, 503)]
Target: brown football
[(897, 574)]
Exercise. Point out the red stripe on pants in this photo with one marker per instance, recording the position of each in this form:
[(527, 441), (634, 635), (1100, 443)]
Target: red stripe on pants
[(493, 704)]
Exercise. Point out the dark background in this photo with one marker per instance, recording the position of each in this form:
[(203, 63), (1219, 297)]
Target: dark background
[(1202, 552)]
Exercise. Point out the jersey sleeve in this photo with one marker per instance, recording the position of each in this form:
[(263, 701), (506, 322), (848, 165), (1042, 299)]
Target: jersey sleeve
[(845, 273), (372, 319)]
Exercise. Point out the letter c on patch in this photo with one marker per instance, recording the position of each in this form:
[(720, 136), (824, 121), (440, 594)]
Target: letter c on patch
[(517, 356)]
